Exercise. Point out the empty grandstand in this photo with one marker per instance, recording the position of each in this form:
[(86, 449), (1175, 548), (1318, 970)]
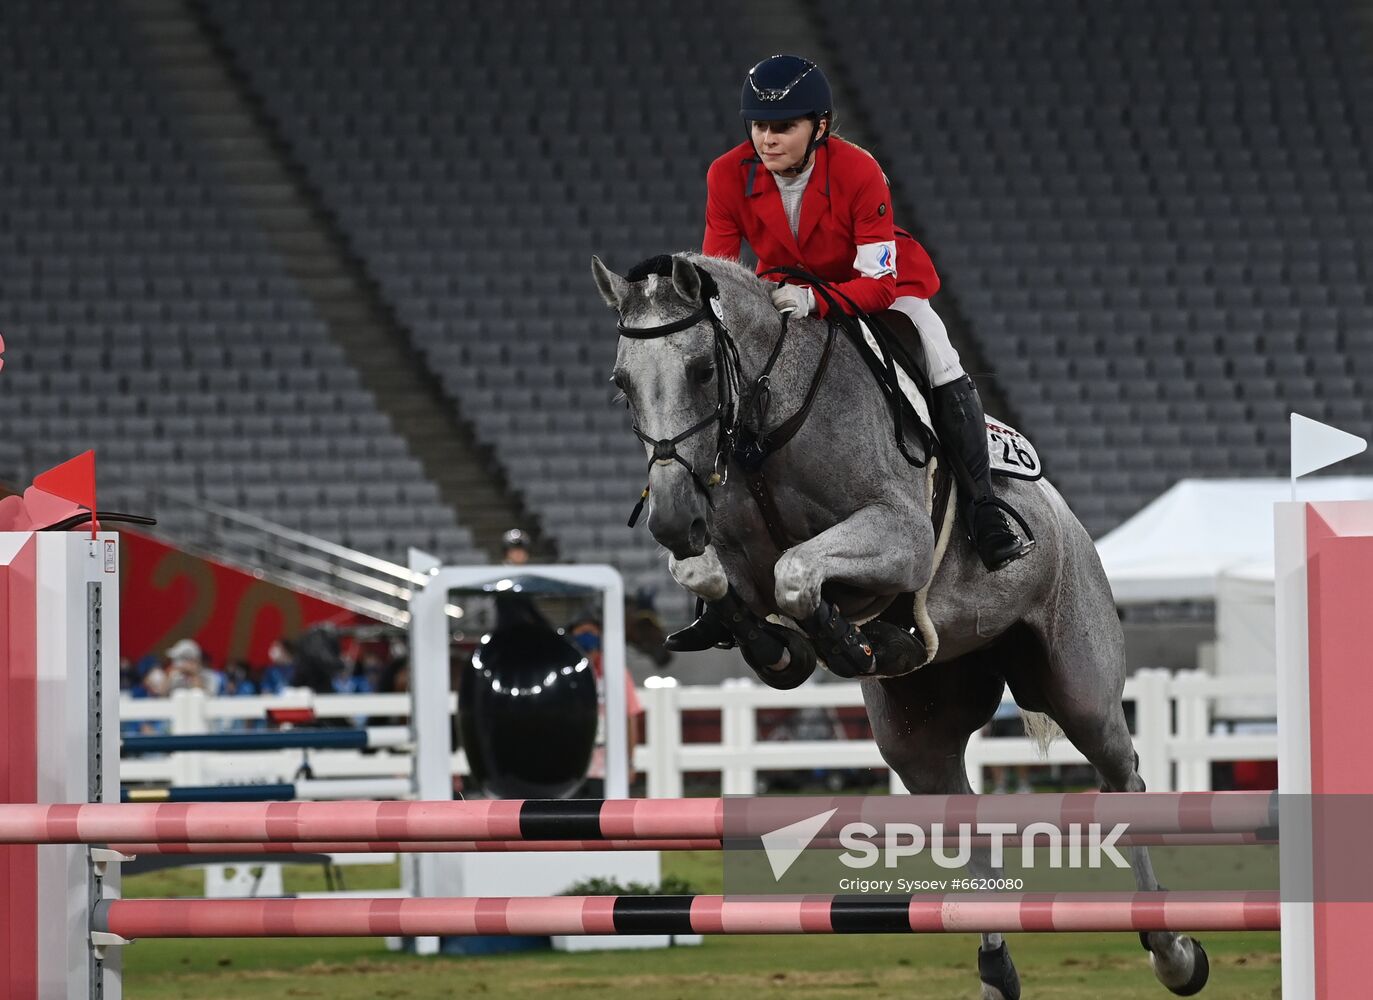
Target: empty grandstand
[(1158, 248)]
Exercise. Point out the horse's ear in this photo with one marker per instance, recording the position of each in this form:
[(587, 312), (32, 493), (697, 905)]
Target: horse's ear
[(686, 280), (612, 287)]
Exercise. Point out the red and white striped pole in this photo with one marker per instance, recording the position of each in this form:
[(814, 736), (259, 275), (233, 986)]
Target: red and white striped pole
[(1248, 813), (546, 915)]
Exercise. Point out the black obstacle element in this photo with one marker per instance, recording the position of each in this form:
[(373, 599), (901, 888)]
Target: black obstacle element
[(527, 707)]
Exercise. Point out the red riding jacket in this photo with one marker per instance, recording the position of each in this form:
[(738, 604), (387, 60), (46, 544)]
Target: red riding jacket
[(846, 234)]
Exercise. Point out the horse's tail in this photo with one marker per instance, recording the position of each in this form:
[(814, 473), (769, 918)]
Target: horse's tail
[(1042, 729)]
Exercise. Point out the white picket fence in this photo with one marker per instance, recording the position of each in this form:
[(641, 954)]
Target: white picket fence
[(1173, 735)]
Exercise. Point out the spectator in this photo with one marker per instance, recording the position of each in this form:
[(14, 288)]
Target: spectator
[(317, 659), (238, 679), (149, 680), (128, 675), (369, 674), (585, 634), (186, 668), (516, 544), (281, 667)]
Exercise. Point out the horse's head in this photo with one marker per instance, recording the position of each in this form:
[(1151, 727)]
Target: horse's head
[(679, 373)]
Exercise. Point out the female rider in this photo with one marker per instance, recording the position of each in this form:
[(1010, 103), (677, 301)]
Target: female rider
[(823, 205)]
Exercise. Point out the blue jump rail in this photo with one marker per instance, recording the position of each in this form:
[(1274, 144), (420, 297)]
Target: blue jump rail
[(211, 793), (304, 739)]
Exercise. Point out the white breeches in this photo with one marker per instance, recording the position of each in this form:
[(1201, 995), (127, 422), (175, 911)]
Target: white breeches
[(940, 355)]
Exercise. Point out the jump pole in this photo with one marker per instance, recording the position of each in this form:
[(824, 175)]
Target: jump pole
[(557, 915), (267, 847), (603, 819)]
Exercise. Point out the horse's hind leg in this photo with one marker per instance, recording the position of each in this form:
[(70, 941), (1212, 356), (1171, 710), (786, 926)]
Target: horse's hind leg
[(921, 723), (1081, 683)]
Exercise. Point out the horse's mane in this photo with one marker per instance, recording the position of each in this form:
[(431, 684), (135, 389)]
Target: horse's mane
[(733, 273), (744, 295)]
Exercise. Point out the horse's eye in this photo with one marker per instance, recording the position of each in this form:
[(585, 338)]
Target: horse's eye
[(703, 372)]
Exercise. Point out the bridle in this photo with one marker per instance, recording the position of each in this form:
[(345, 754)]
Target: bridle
[(728, 379), (733, 439)]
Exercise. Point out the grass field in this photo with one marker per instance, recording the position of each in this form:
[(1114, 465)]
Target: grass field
[(929, 967)]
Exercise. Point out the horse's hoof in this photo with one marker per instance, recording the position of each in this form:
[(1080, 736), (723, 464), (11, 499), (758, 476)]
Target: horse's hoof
[(1196, 979), (1000, 981), (845, 649), (1201, 971), (781, 658), (898, 652)]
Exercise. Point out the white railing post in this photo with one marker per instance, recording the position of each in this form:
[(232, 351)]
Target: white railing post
[(189, 717), (663, 735), (1193, 726), (738, 729), (1153, 728)]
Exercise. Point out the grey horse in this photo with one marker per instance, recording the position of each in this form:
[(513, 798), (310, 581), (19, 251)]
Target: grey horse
[(857, 538)]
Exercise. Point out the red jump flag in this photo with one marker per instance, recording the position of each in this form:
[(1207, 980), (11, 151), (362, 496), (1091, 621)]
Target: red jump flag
[(73, 480)]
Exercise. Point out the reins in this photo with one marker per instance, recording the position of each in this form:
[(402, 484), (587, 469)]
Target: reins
[(884, 367)]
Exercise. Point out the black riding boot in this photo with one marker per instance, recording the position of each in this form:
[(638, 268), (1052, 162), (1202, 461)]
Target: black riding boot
[(962, 428), (708, 630)]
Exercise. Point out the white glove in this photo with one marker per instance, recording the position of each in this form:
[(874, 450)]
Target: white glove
[(793, 299)]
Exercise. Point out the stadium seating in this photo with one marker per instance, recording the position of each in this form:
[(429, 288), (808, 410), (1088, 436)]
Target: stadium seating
[(1154, 217), (146, 318), (1157, 218), (476, 156)]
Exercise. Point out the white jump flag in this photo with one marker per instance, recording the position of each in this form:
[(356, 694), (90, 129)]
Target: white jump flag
[(1316, 445)]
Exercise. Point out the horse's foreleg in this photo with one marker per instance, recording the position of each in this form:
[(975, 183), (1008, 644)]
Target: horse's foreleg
[(703, 575), (878, 551), (781, 658)]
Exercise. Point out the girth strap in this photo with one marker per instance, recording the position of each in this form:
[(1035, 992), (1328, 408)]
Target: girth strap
[(762, 498)]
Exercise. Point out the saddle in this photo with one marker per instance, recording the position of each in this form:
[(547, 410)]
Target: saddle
[(1012, 454)]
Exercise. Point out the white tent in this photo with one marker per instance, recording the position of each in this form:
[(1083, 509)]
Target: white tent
[(1177, 547), (1212, 539)]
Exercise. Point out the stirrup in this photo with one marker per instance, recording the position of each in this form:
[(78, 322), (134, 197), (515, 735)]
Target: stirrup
[(706, 632)]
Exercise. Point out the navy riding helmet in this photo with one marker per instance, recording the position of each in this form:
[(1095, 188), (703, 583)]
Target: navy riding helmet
[(783, 87)]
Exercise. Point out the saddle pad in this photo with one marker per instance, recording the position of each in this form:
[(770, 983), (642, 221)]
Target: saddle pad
[(1011, 452), (907, 384)]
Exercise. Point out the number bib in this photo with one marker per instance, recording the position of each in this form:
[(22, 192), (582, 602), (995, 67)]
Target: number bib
[(1011, 452)]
